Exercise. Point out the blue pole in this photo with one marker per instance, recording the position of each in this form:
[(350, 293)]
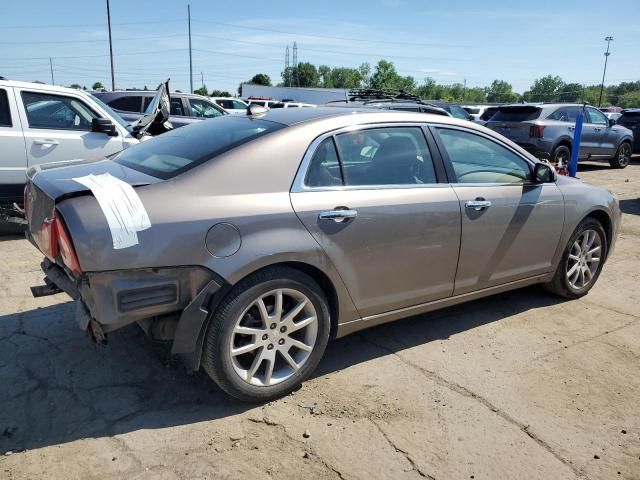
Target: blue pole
[(577, 134)]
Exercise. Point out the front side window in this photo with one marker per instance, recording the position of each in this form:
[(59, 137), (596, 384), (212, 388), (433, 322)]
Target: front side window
[(597, 116), (56, 112), (5, 113), (231, 104), (128, 103), (203, 109), (476, 159), (385, 156), (181, 149)]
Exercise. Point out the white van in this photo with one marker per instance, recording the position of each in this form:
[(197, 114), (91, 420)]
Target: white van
[(43, 123)]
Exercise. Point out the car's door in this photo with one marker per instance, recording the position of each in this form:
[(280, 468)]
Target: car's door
[(371, 199), (562, 122), (13, 159), (510, 226), (592, 134), (57, 127), (605, 137)]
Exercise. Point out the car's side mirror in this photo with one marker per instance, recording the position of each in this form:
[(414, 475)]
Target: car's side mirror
[(612, 122), (104, 125), (544, 173)]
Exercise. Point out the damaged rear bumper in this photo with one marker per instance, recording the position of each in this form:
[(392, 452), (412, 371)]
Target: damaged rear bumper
[(172, 303)]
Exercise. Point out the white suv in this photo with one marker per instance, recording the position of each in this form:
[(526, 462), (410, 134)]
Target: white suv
[(42, 123), (234, 106)]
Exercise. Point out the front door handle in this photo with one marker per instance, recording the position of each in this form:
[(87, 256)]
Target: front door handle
[(478, 204), (338, 215), (46, 141), (597, 129), (572, 128)]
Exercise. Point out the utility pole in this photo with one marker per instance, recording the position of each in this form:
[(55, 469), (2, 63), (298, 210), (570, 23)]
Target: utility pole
[(295, 64), (190, 58), (202, 79), (464, 89), (607, 39), (113, 77), (287, 72), (51, 66)]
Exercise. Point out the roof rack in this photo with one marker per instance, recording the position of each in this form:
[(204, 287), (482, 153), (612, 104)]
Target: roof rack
[(379, 94)]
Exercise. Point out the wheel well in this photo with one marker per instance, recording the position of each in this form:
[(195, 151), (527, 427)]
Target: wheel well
[(323, 281), (605, 221), (564, 142)]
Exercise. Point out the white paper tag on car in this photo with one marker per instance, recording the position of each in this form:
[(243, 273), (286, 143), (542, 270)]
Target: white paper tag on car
[(121, 206)]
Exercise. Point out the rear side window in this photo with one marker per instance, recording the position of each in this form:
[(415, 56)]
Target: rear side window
[(476, 159), (176, 107), (179, 150), (516, 114), (324, 169), (129, 103), (385, 156), (5, 113), (56, 112), (565, 114)]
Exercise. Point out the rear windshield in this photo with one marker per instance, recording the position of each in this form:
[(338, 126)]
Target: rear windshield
[(629, 117), (516, 114), (179, 150)]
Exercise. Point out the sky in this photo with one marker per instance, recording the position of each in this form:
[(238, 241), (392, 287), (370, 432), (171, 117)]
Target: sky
[(450, 41)]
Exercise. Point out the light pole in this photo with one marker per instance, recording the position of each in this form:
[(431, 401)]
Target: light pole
[(113, 77), (607, 39)]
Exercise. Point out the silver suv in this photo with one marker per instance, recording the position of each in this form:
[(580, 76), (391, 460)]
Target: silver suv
[(546, 131)]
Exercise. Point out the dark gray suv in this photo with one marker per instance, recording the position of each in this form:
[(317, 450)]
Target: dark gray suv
[(186, 108), (546, 131)]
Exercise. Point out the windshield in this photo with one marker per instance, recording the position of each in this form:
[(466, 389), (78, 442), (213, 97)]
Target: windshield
[(458, 112), (182, 149), (111, 112)]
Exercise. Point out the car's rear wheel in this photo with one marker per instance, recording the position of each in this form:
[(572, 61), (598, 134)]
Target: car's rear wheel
[(561, 156), (581, 261), (622, 157), (268, 335)]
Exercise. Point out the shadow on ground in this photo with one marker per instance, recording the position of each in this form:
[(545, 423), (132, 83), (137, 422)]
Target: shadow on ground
[(630, 206), (57, 386)]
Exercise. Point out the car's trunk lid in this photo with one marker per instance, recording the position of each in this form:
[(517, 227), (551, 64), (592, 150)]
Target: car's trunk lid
[(50, 184)]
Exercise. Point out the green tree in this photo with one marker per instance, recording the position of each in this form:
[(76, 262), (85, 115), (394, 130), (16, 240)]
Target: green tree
[(324, 71), (260, 79), (428, 89), (475, 95), (501, 92), (365, 75), (201, 91), (219, 93), (76, 86), (97, 86), (570, 92), (545, 89), (343, 77), (630, 100), (385, 77), (307, 75)]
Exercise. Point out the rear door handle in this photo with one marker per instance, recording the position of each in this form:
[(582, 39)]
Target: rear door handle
[(572, 128), (597, 129), (338, 215), (46, 141), (478, 204)]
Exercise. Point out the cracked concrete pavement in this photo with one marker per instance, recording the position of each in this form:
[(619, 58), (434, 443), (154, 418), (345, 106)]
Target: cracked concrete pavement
[(520, 385)]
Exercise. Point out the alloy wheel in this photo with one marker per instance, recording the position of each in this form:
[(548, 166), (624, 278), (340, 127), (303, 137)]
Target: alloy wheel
[(273, 337), (584, 259), (624, 154)]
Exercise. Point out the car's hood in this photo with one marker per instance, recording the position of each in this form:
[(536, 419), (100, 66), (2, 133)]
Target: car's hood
[(56, 180), (156, 113)]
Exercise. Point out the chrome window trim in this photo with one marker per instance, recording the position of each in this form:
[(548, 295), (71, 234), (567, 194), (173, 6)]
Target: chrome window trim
[(298, 182)]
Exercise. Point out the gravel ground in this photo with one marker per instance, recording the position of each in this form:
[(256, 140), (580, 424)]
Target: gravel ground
[(520, 385)]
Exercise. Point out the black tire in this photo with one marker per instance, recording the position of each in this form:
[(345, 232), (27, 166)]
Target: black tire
[(622, 157), (560, 285), (216, 355), (561, 152)]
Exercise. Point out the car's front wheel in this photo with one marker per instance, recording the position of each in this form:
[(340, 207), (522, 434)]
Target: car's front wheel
[(581, 261), (268, 335), (622, 157)]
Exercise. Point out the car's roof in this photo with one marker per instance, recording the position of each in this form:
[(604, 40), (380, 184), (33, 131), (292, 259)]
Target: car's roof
[(630, 110), (150, 93), (41, 86), (293, 116)]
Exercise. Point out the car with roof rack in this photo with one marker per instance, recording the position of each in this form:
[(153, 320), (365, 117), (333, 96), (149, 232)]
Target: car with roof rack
[(387, 100), (546, 131)]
